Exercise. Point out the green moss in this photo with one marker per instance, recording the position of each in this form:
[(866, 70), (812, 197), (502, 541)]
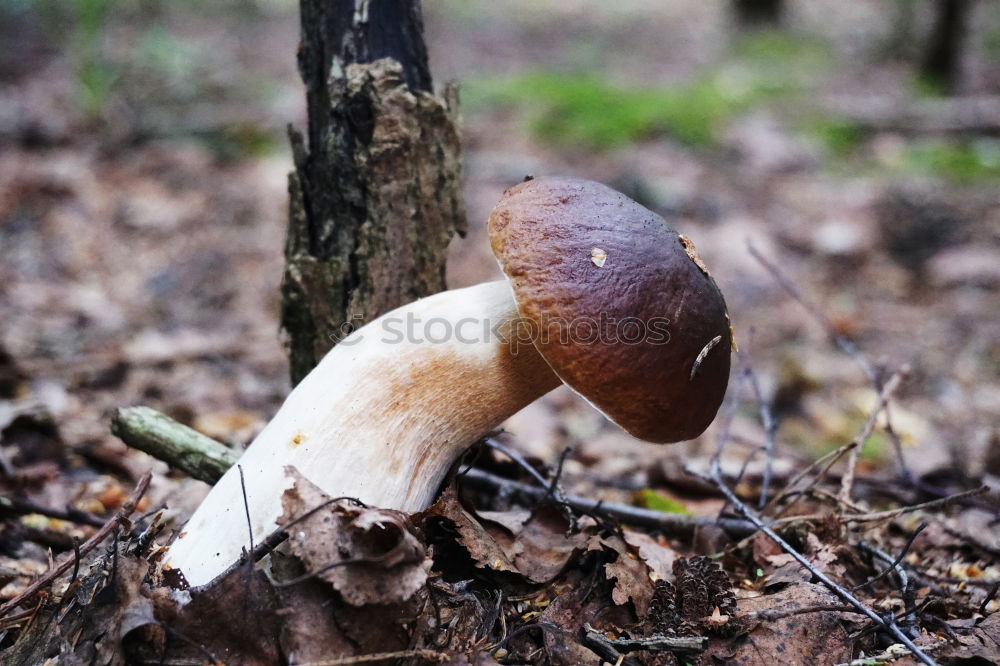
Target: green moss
[(782, 48), (587, 111), (956, 160), (964, 161), (237, 141), (841, 137), (96, 77), (992, 43), (650, 499)]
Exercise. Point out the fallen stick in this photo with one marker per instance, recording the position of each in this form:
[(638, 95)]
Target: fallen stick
[(20, 507), (715, 477), (673, 524), (424, 654), (165, 439), (174, 443), (73, 558), (652, 643)]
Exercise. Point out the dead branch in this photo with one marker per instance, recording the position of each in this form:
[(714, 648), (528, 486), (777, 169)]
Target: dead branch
[(773, 614), (165, 439), (932, 504), (518, 459), (767, 421), (672, 524), (68, 562), (426, 655), (888, 514), (894, 652), (20, 507), (715, 476), (887, 391), (652, 643), (828, 460), (895, 565)]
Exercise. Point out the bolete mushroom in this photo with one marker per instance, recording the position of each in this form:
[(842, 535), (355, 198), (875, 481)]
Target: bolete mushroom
[(602, 294)]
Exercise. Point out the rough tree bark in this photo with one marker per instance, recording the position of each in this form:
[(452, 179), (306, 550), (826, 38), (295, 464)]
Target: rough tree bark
[(375, 196)]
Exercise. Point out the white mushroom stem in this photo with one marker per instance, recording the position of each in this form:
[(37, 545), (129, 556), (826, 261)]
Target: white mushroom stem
[(381, 418)]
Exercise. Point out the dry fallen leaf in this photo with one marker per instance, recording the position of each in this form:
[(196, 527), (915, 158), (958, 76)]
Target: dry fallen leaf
[(377, 558), (542, 542), (631, 575), (658, 557), (483, 547), (811, 638)]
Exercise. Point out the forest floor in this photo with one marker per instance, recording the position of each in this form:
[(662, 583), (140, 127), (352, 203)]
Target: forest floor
[(143, 170)]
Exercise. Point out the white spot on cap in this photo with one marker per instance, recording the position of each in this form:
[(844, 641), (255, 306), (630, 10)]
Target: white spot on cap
[(598, 256)]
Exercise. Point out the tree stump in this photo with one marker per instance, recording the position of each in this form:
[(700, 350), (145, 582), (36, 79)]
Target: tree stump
[(375, 195), (942, 60)]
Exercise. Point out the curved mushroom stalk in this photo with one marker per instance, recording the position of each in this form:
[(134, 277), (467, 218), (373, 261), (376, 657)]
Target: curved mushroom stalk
[(381, 418)]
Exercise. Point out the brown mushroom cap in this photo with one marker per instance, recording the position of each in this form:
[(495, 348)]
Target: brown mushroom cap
[(576, 251)]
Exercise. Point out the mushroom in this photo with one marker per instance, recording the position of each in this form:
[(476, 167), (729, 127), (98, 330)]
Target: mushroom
[(602, 294)]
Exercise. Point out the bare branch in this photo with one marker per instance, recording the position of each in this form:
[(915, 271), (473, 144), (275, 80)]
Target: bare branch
[(741, 508), (67, 562), (847, 482)]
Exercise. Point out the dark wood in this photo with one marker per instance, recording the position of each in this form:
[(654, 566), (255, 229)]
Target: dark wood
[(375, 196), (751, 13), (941, 64)]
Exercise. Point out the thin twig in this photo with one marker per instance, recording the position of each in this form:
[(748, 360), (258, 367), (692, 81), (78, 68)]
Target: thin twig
[(427, 655), (309, 575), (847, 482), (669, 523), (829, 459), (951, 580), (890, 655), (716, 477), (894, 565), (989, 597), (890, 617), (652, 643), (728, 416), (76, 560), (210, 658), (20, 506), (554, 492), (496, 445), (932, 504), (772, 614), (888, 514), (279, 535), (246, 505), (124, 512), (767, 421), (845, 344)]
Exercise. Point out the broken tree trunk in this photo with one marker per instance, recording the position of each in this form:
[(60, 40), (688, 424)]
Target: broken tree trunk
[(942, 60), (374, 198), (758, 13)]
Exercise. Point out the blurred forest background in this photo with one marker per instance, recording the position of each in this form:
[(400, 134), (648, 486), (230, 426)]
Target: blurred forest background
[(143, 165)]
